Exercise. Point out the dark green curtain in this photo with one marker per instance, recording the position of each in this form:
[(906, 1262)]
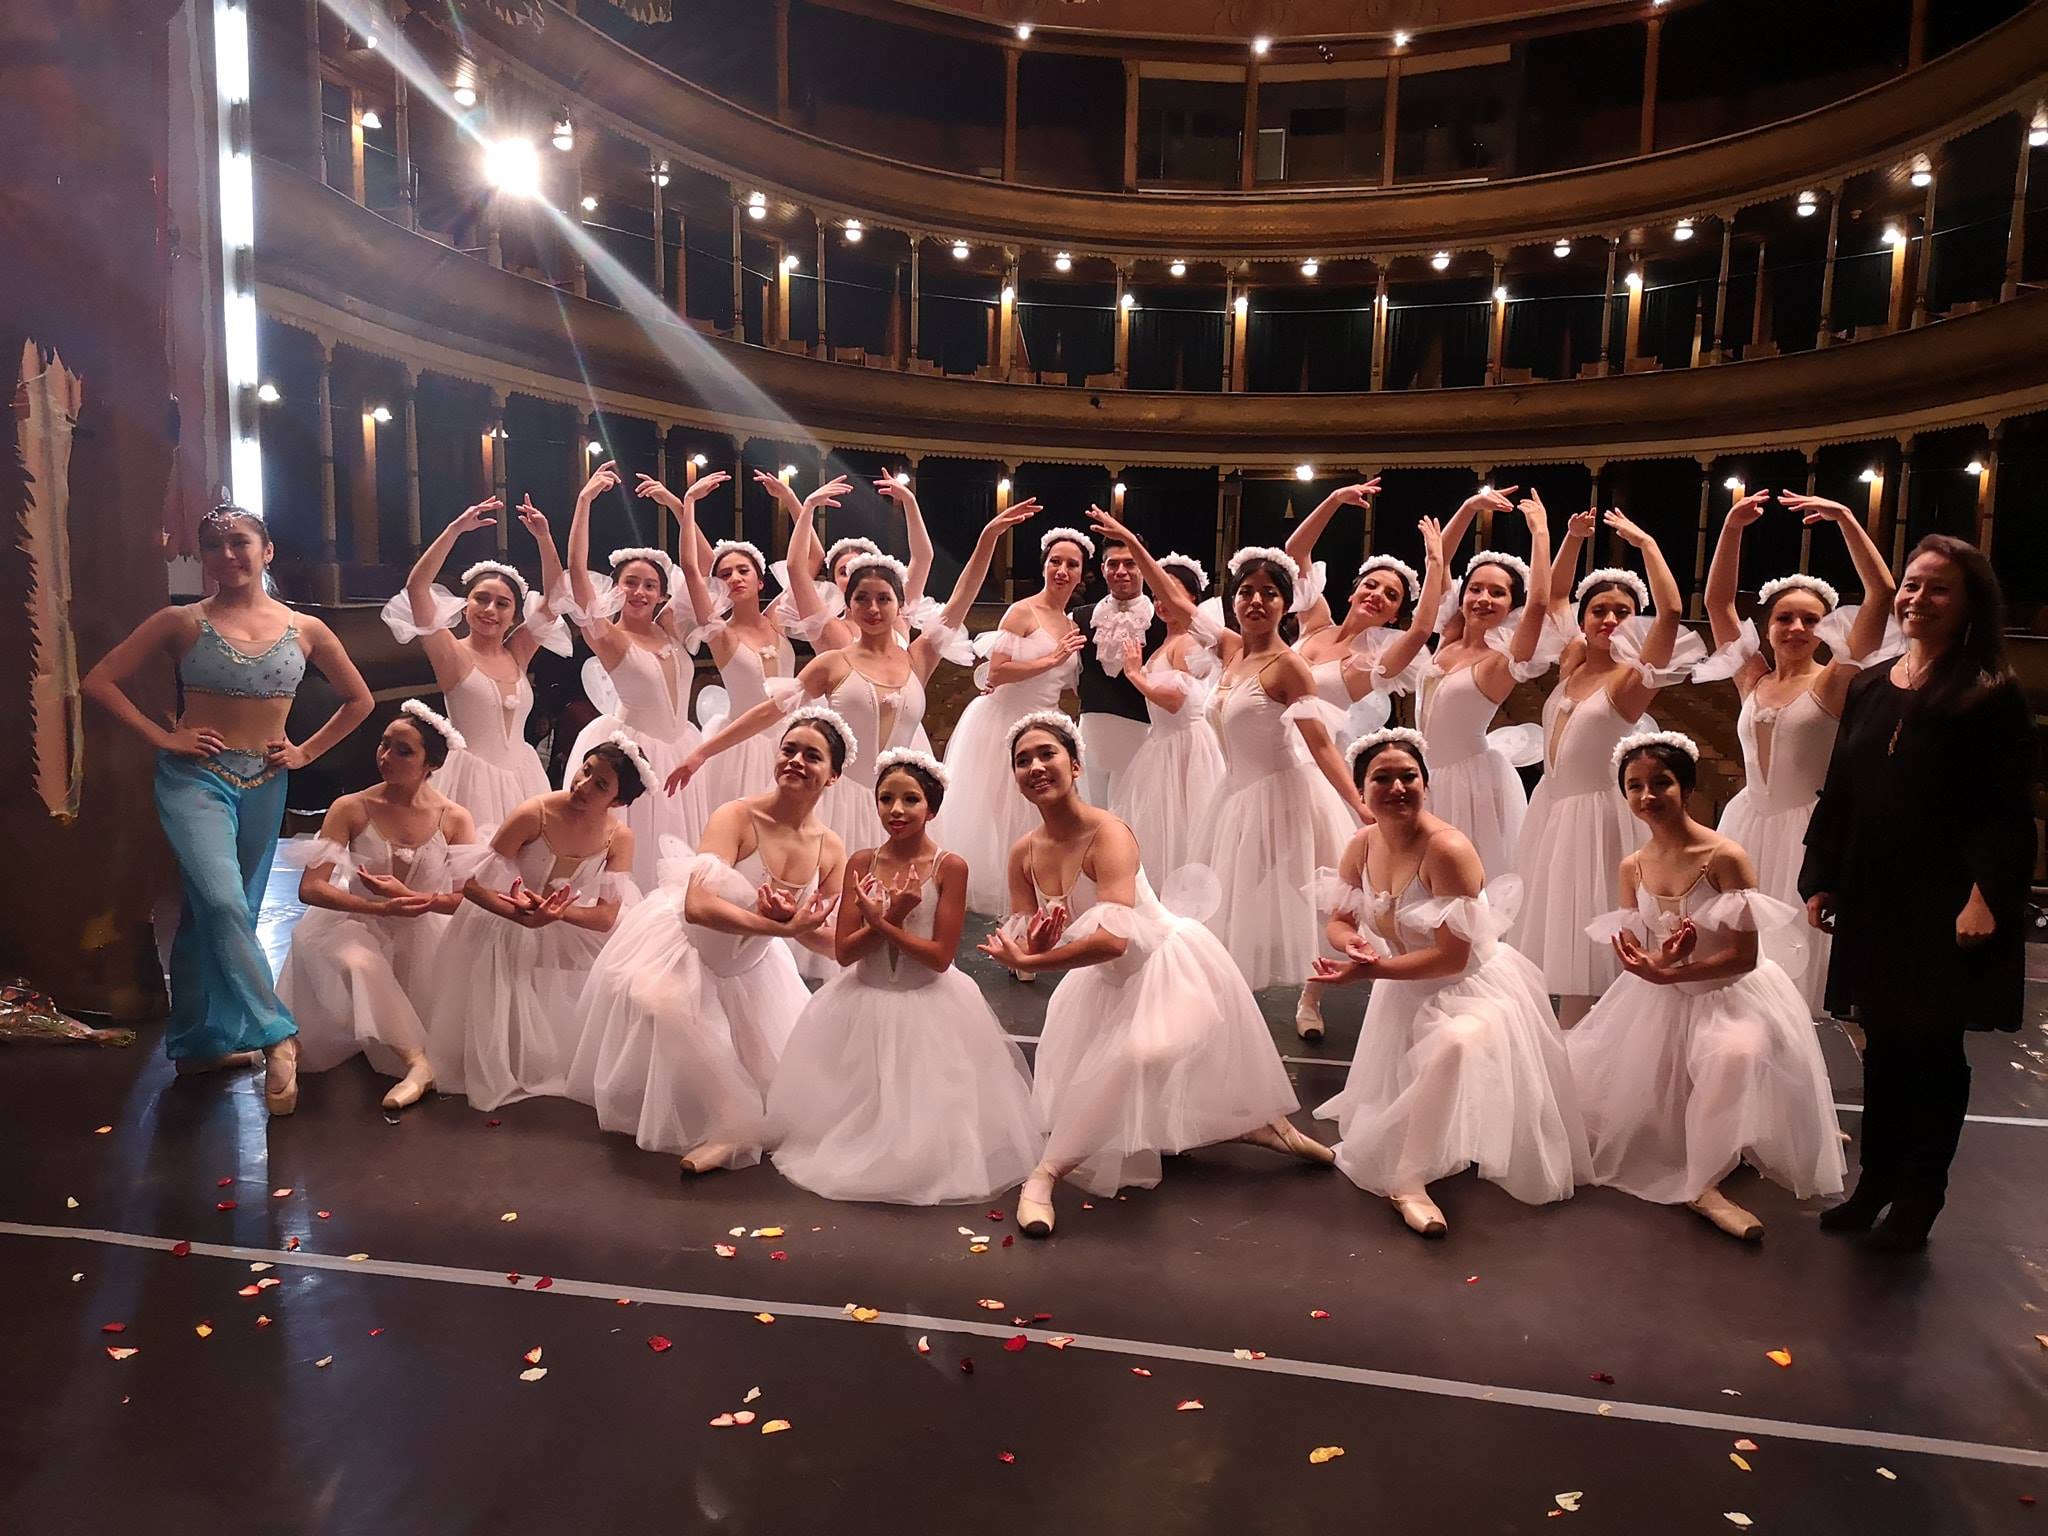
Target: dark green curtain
[(1552, 336), (953, 331), (1076, 336), (1176, 348), (1669, 312), (1315, 342), (1863, 288), (1437, 345), (857, 303)]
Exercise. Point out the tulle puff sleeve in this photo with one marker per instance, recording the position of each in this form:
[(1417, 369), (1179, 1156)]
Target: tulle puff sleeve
[(1779, 926), (312, 852), (1550, 643), (1609, 926), (547, 626), (1333, 894), (1728, 660), (1315, 581), (467, 861), (783, 614), (1369, 650), (1142, 932), (406, 622), (1686, 654), (615, 885), (1479, 920), (493, 871), (1323, 713), (928, 616), (1834, 633)]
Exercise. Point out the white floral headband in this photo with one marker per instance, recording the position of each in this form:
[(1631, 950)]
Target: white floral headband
[(1053, 536), (634, 755), (1497, 557), (866, 546), (441, 723), (1394, 734), (1616, 574), (1400, 567), (726, 547), (1189, 564), (495, 568), (1643, 739), (1058, 722), (910, 757), (1303, 594), (877, 561), (1820, 589), (831, 720), (654, 557)]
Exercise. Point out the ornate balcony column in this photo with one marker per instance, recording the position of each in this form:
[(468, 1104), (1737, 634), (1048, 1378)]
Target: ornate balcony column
[(1011, 58), (1390, 120), (916, 288), (1826, 337), (1607, 305), (1902, 506), (316, 160), (660, 247), (1646, 135), (2016, 231), (1377, 375), (327, 575), (1987, 487), (739, 291), (1248, 139), (1229, 516), (410, 411), (1760, 315), (661, 430), (1697, 608), (1916, 36), (1497, 323), (1006, 335), (1806, 532), (782, 61), (1923, 265), (682, 263), (498, 456), (401, 141), (1006, 552), (1719, 351), (1123, 326), (823, 347), (1130, 125), (356, 188)]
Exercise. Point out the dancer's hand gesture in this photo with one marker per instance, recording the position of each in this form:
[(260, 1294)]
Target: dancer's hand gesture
[(890, 489), (1627, 531), (1533, 511), (604, 478), (829, 494), (651, 489), (680, 776), (479, 516), (1581, 525), (1815, 509), (1358, 495), (533, 520), (1111, 527), (1748, 509), (1045, 927), (1336, 973), (1488, 499), (811, 916)]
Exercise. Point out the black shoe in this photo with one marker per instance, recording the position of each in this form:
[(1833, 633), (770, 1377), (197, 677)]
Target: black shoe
[(1859, 1212), (1905, 1229)]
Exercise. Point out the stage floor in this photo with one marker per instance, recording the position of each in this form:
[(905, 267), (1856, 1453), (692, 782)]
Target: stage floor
[(1607, 1351)]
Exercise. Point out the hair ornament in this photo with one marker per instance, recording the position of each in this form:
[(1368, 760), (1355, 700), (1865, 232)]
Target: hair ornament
[(842, 546), (1830, 598), (441, 723), (1642, 739), (634, 755), (496, 568), (1400, 567), (1513, 563), (877, 562), (1059, 722), (654, 557), (726, 547), (910, 757), (831, 720), (1393, 734), (1174, 558), (1614, 573), (1053, 536)]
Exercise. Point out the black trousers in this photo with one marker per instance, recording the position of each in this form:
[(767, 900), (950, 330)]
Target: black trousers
[(1916, 1089)]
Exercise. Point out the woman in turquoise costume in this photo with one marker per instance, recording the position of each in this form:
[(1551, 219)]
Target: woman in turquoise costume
[(221, 770)]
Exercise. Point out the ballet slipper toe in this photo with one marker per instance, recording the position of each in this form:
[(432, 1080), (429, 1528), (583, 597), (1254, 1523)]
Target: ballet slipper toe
[(708, 1158), (281, 1077), (410, 1089), (1282, 1137), (1728, 1216), (1034, 1206), (1421, 1214), (1308, 1020)]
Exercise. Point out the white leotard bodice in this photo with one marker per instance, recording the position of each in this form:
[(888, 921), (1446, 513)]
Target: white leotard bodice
[(1785, 750), (492, 721)]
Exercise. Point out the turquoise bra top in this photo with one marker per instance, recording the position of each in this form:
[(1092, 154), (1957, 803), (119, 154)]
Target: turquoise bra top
[(214, 666)]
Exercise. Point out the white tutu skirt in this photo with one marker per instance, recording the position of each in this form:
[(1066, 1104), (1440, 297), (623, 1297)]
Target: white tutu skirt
[(1570, 863), (1162, 1050), (656, 814), (490, 791), (910, 1096), (1776, 844), (1677, 1087), (1172, 777), (1265, 841), (1470, 1073), (985, 815), (1482, 796), (345, 985), (677, 1054)]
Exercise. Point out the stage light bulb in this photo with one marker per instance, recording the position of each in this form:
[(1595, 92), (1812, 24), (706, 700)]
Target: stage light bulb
[(1304, 471), (1974, 467), (465, 95), (267, 393), (1062, 262), (1177, 269), (1562, 249), (1023, 31), (371, 119), (589, 204), (1311, 267), (512, 166), (1634, 280), (959, 250), (1260, 45), (1440, 260), (1128, 301)]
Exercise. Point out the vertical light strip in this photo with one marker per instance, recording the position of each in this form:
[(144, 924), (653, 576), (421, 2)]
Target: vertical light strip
[(236, 208)]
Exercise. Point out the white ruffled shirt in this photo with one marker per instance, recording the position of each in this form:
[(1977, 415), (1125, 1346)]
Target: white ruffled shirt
[(1117, 624)]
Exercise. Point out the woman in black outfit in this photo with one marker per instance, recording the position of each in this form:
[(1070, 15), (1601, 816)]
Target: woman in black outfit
[(1920, 852)]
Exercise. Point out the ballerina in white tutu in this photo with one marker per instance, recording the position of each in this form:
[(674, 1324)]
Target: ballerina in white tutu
[(817, 614), (1625, 648), (1792, 701), (1152, 1044), (380, 881), (1703, 1056), (898, 1084), (877, 684), (635, 620), (1460, 1062), (501, 1011), (1496, 638), (1032, 658), (685, 1016), (1175, 772)]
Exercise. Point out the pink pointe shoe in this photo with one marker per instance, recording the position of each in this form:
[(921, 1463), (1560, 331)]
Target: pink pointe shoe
[(1034, 1204), (281, 1077), (417, 1083)]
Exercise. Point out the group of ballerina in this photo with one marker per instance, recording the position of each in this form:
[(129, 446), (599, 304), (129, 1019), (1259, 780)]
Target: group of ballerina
[(1230, 812)]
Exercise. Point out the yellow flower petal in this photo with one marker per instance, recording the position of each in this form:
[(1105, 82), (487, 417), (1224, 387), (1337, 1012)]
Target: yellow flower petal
[(1324, 1453)]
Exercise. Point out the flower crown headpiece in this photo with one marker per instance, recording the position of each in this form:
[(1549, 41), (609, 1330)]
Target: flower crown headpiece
[(1189, 564), (638, 758), (1641, 739), (1303, 594), (840, 547), (1059, 722), (496, 568), (1820, 589), (831, 720), (726, 547), (1513, 563), (1401, 567), (654, 557), (910, 757), (1412, 740), (1053, 536), (877, 561), (227, 513), (441, 723), (1614, 573)]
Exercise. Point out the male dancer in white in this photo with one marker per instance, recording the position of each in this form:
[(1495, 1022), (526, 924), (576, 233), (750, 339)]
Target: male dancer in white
[(1113, 714)]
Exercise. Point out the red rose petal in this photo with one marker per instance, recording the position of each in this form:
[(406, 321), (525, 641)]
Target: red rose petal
[(544, 1283), (966, 1366), (1041, 1317), (1603, 1378), (1016, 1344), (1009, 1239), (375, 1331), (995, 1215), (492, 1125), (778, 1255), (660, 1345), (223, 1183), (324, 1215), (1471, 1279), (180, 1248), (250, 1290), (1006, 1457), (262, 1321), (1139, 1370), (113, 1327), (291, 1244), (1319, 1314), (512, 1278), (224, 1205), (625, 1301)]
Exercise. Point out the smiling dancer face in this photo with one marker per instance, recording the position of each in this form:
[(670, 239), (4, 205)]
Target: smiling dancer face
[(1656, 781), (1792, 626), (1046, 766), (807, 759), (234, 550), (875, 603), (1606, 608), (1065, 564), (1260, 596), (1119, 571), (491, 608), (1379, 597), (1395, 784), (1492, 592), (907, 800), (742, 579), (643, 588)]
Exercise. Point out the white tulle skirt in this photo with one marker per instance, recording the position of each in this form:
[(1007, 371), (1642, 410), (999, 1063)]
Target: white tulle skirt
[(1678, 1086), (1172, 777), (501, 1014), (1776, 844), (677, 1054), (1162, 1050), (911, 1096), (984, 814), (1570, 863), (1482, 796), (346, 986), (1466, 1073), (491, 791), (1265, 841), (656, 814)]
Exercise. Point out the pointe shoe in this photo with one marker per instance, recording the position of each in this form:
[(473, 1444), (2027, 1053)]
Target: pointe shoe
[(1421, 1214), (1308, 1014), (192, 1066), (1728, 1216), (709, 1158), (1282, 1137), (1034, 1205), (410, 1089), (1024, 978), (281, 1077)]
